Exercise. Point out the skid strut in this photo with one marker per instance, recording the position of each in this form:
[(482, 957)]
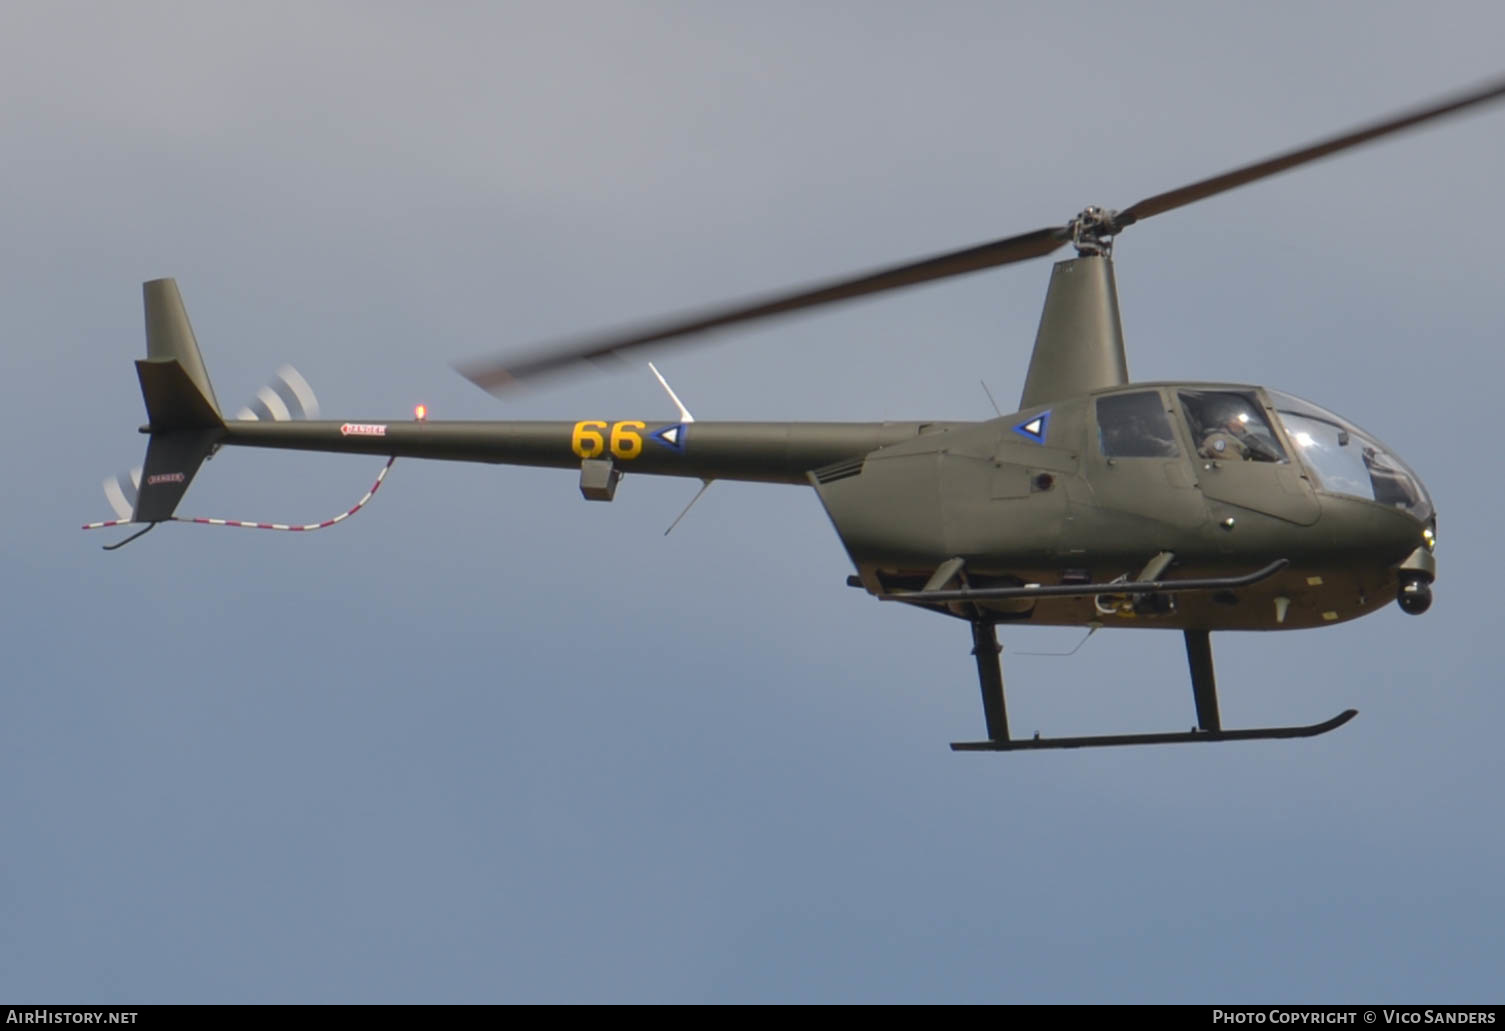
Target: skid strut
[(1204, 686), (986, 649), (990, 675)]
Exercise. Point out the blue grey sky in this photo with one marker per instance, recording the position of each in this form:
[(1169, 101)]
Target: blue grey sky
[(486, 742)]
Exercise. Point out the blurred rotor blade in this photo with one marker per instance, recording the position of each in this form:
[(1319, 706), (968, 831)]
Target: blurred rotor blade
[(286, 398), (497, 375), (1162, 202), (121, 491)]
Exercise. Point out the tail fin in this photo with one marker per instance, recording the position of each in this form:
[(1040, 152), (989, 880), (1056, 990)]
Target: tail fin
[(181, 409), (173, 381)]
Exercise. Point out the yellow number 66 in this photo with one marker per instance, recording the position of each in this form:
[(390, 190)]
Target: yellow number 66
[(587, 440)]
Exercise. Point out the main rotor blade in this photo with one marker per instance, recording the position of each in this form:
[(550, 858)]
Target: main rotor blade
[(497, 375), (1171, 199)]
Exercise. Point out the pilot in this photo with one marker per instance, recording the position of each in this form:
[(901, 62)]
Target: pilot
[(1227, 435)]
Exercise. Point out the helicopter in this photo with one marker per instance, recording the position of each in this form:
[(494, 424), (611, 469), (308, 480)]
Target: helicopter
[(1100, 502)]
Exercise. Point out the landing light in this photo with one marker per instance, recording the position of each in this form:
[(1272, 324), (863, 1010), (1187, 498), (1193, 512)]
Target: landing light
[(1430, 538)]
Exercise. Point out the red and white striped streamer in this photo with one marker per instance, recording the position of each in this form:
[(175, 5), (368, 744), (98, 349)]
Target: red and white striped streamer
[(266, 526)]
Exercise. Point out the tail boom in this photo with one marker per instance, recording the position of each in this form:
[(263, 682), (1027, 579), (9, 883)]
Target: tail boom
[(761, 452)]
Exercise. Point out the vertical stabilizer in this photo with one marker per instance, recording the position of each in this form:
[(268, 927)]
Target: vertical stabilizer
[(169, 336), (1080, 344), (181, 408)]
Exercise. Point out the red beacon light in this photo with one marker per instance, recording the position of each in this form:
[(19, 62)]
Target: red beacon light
[(421, 412)]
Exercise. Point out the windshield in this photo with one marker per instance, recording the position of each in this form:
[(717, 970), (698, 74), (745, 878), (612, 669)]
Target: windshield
[(1346, 460)]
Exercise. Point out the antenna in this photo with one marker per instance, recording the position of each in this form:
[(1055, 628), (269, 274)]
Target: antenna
[(684, 413), (684, 417), (1092, 628), (992, 402)]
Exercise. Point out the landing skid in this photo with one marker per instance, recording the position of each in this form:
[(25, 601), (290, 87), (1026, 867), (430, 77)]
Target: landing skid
[(1253, 734), (1204, 694)]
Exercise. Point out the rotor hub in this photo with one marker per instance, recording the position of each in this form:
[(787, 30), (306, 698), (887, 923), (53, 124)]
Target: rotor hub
[(1093, 230)]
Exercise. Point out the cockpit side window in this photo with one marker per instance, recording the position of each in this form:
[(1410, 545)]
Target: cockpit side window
[(1135, 426), (1231, 425)]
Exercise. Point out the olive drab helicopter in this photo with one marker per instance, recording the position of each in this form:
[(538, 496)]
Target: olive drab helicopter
[(1101, 502)]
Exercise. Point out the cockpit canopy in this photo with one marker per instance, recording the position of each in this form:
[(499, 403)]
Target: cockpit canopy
[(1231, 424), (1346, 460)]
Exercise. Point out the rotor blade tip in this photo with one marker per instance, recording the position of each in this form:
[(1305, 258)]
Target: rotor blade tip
[(490, 378)]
